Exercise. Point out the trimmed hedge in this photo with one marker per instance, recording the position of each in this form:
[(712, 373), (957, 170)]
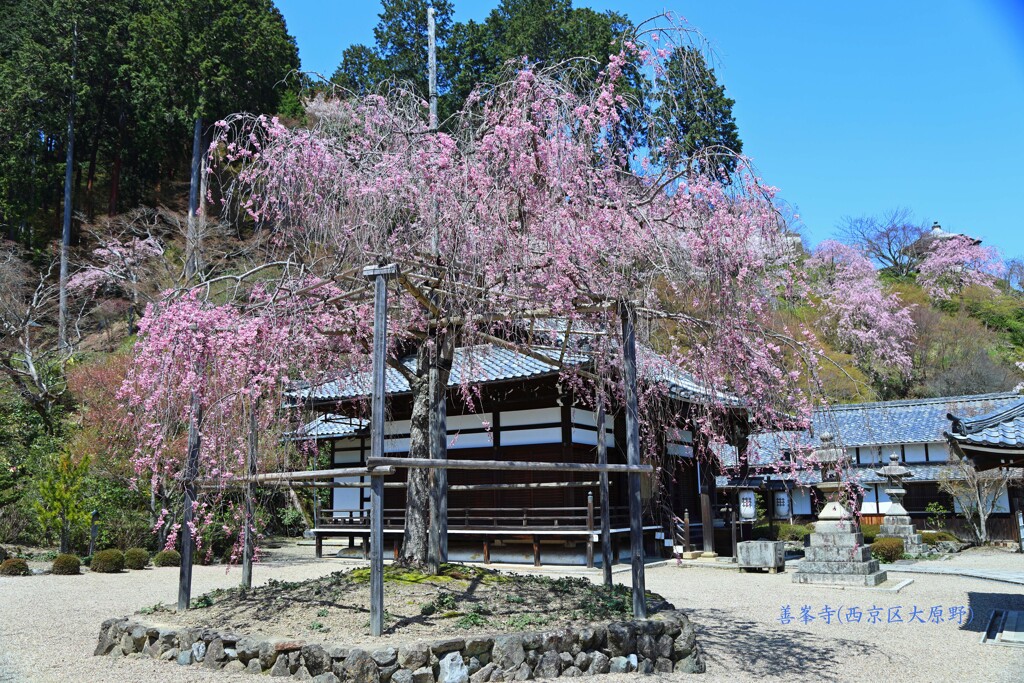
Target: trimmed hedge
[(66, 565), (870, 531), (933, 537), (167, 558), (888, 549), (782, 532), (15, 566), (136, 558), (108, 561)]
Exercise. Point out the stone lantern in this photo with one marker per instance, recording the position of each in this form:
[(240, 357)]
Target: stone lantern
[(831, 459), (836, 554), (897, 523)]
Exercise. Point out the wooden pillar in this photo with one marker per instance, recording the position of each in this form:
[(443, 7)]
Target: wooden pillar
[(249, 550), (536, 551), (590, 529), (687, 546), (707, 523), (379, 276), (606, 520), (636, 529), (191, 470), (487, 551)]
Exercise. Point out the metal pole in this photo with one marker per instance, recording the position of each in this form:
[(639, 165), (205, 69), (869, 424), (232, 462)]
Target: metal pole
[(606, 521), (191, 470), (636, 530), (380, 330)]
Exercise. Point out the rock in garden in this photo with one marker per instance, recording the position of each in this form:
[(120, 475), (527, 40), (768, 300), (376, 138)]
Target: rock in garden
[(386, 672), (621, 638), (326, 678), (185, 657), (581, 661), (691, 665), (316, 659), (385, 656), (199, 651), (413, 656), (442, 647), (280, 668), (139, 636), (619, 665), (508, 652), (453, 669), (571, 672), (567, 660), (234, 667), (247, 648), (359, 667), (401, 676), (127, 644), (599, 664), (484, 674), (268, 655), (477, 645), (647, 646), (646, 666), (523, 673), (302, 674), (215, 656), (663, 665), (550, 665), (663, 646), (170, 655), (253, 667), (684, 643), (423, 675)]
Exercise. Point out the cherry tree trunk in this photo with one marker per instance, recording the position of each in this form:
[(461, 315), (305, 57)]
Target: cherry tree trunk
[(416, 540)]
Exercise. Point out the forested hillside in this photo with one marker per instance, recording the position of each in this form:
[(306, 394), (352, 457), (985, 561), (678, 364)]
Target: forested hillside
[(115, 105)]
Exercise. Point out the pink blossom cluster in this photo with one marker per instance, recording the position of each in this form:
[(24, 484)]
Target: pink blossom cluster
[(954, 263)]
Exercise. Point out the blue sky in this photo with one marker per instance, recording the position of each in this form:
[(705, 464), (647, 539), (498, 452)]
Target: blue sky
[(847, 108)]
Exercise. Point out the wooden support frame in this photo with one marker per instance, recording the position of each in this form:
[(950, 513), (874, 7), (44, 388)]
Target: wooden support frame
[(379, 463), (636, 533), (380, 277)]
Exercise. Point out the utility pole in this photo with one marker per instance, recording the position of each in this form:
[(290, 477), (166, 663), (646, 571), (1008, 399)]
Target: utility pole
[(69, 165)]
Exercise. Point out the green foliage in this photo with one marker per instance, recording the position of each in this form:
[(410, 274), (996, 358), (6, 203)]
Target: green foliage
[(783, 532), (61, 506), (107, 561), (870, 531), (205, 600), (167, 558), (293, 521), (936, 514), (472, 620), (136, 558), (66, 565), (316, 626), (887, 549), (445, 601), (15, 566)]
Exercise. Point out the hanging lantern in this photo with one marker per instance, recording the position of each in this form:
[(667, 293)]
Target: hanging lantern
[(748, 505), (782, 503)]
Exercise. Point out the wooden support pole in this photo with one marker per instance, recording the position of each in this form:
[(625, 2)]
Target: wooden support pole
[(590, 529), (377, 463), (536, 551), (636, 528), (249, 549), (707, 523), (687, 546), (437, 551), (606, 519), (191, 470), (379, 276)]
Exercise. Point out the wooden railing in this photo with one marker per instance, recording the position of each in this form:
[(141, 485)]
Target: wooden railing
[(533, 518)]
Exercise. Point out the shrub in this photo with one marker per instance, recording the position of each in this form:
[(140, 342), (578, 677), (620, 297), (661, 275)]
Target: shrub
[(108, 561), (15, 566), (933, 537), (136, 558), (66, 565), (3, 554), (167, 558), (887, 549), (793, 532), (870, 531)]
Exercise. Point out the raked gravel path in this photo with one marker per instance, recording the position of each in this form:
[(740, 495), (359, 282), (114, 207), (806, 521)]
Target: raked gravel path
[(48, 625)]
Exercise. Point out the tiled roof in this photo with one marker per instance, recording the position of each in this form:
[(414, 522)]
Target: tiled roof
[(861, 474), (878, 424), (488, 363), (329, 426), (1001, 427)]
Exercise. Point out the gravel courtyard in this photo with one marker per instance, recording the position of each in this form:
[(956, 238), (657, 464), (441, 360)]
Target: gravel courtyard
[(48, 624)]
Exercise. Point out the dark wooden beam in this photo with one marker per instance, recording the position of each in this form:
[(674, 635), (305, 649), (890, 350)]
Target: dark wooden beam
[(636, 528), (377, 463), (606, 523), (191, 470)]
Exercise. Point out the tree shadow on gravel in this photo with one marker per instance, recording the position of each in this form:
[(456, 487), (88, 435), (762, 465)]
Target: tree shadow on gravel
[(980, 607), (771, 649)]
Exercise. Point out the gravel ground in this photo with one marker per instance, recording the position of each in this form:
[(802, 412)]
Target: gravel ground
[(48, 625)]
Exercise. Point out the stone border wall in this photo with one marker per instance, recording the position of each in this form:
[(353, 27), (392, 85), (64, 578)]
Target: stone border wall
[(662, 644)]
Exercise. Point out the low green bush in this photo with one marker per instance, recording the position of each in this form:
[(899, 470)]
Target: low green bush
[(782, 532), (107, 561), (933, 537), (870, 531), (887, 549), (167, 558), (136, 558), (15, 566), (66, 565)]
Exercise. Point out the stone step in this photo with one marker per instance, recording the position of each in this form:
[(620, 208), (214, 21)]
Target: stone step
[(896, 530), (841, 579), (837, 554), (836, 527), (840, 540), (812, 567)]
